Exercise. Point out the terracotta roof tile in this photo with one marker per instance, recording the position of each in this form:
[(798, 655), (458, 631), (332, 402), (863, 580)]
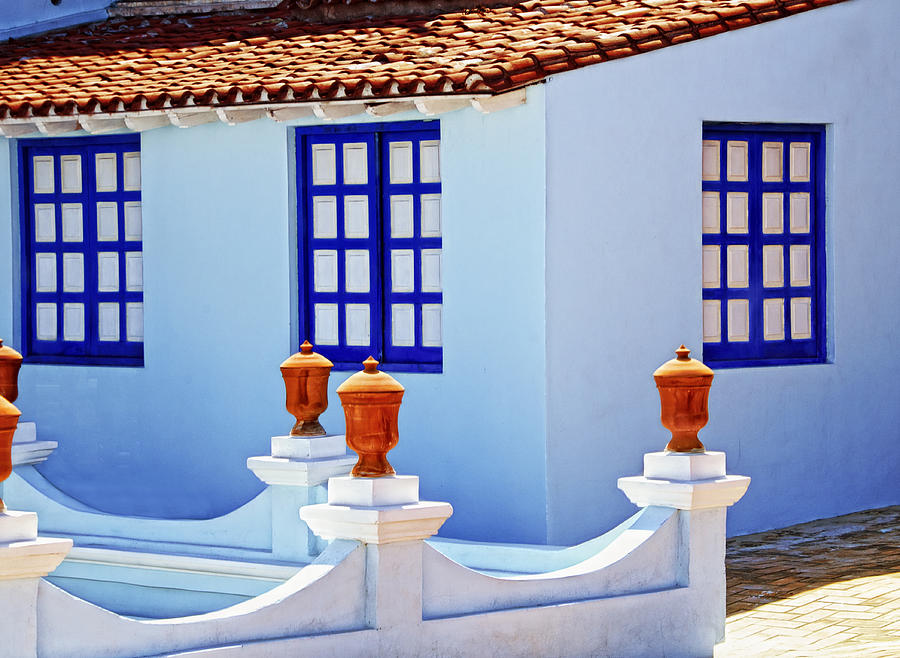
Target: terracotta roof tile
[(272, 56)]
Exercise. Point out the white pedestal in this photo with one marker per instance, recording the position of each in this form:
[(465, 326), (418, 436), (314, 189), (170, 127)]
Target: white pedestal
[(686, 481), (24, 559), (303, 461), (26, 449), (376, 511)]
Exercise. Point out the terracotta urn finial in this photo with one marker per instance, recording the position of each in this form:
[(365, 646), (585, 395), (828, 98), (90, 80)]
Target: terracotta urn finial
[(10, 362), (306, 389), (371, 401), (9, 419), (683, 385)]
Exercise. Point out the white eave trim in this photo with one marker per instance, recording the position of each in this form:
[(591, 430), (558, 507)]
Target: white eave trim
[(186, 117)]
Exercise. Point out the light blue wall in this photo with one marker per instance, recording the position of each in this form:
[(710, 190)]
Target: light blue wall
[(623, 269), (21, 17), (171, 439)]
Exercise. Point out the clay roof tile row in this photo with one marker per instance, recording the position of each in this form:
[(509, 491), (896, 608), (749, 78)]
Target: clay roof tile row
[(272, 56)]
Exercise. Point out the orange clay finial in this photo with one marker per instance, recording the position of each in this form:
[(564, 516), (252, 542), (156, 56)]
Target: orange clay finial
[(305, 377), (371, 401), (683, 385), (9, 419), (10, 362)]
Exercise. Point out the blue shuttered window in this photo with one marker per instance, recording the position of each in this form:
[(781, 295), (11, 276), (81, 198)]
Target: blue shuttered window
[(82, 254), (763, 245), (370, 243)]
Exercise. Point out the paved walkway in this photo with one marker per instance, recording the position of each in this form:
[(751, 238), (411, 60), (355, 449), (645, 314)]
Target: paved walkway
[(826, 588)]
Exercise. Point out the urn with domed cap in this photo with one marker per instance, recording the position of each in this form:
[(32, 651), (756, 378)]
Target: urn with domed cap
[(10, 362), (305, 377), (683, 385), (371, 401)]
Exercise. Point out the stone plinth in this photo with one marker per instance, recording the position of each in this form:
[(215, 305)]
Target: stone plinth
[(376, 511), (24, 559), (303, 461), (686, 481)]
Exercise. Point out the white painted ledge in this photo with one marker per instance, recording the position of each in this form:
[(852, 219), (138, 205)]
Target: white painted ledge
[(299, 473), (309, 447), (684, 465), (685, 495), (22, 553), (32, 452), (374, 492), (377, 525), (25, 433)]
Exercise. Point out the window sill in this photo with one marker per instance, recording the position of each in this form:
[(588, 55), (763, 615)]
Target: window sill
[(392, 367), (115, 362), (760, 363)]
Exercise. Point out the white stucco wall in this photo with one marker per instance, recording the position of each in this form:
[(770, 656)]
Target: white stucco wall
[(623, 268), (171, 439)]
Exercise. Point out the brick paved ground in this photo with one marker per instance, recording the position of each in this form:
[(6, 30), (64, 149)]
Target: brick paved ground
[(826, 588)]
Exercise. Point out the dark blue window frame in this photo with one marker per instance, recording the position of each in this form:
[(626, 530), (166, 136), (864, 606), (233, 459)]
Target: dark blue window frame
[(379, 188), (757, 351), (91, 350)]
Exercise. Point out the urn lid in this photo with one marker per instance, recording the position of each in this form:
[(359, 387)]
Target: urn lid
[(306, 358), (8, 354), (682, 366), (370, 380)]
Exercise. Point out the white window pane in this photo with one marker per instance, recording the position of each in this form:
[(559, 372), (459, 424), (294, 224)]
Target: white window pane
[(710, 212), (358, 332), (432, 330), (710, 159), (736, 212), (72, 222), (800, 265), (107, 221), (325, 270), (106, 172), (431, 215), (73, 322), (326, 321), (712, 321), (324, 217), (773, 266), (711, 266), (401, 162), (43, 174), (738, 264), (800, 162), (401, 215), (108, 321), (323, 164), (799, 212), (772, 159), (801, 318), (134, 223), (737, 160), (355, 165), (773, 319), (356, 267), (431, 270), (45, 314), (73, 272), (134, 322), (773, 212), (132, 164), (108, 271), (403, 325), (430, 161), (45, 222), (356, 216), (70, 171), (45, 272), (738, 320), (402, 270), (134, 271)]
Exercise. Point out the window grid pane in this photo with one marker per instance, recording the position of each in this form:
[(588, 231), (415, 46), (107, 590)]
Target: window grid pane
[(769, 305), (370, 196), (81, 225)]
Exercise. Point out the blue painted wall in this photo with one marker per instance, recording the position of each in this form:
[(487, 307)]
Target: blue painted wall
[(624, 277), (171, 439), (21, 17)]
